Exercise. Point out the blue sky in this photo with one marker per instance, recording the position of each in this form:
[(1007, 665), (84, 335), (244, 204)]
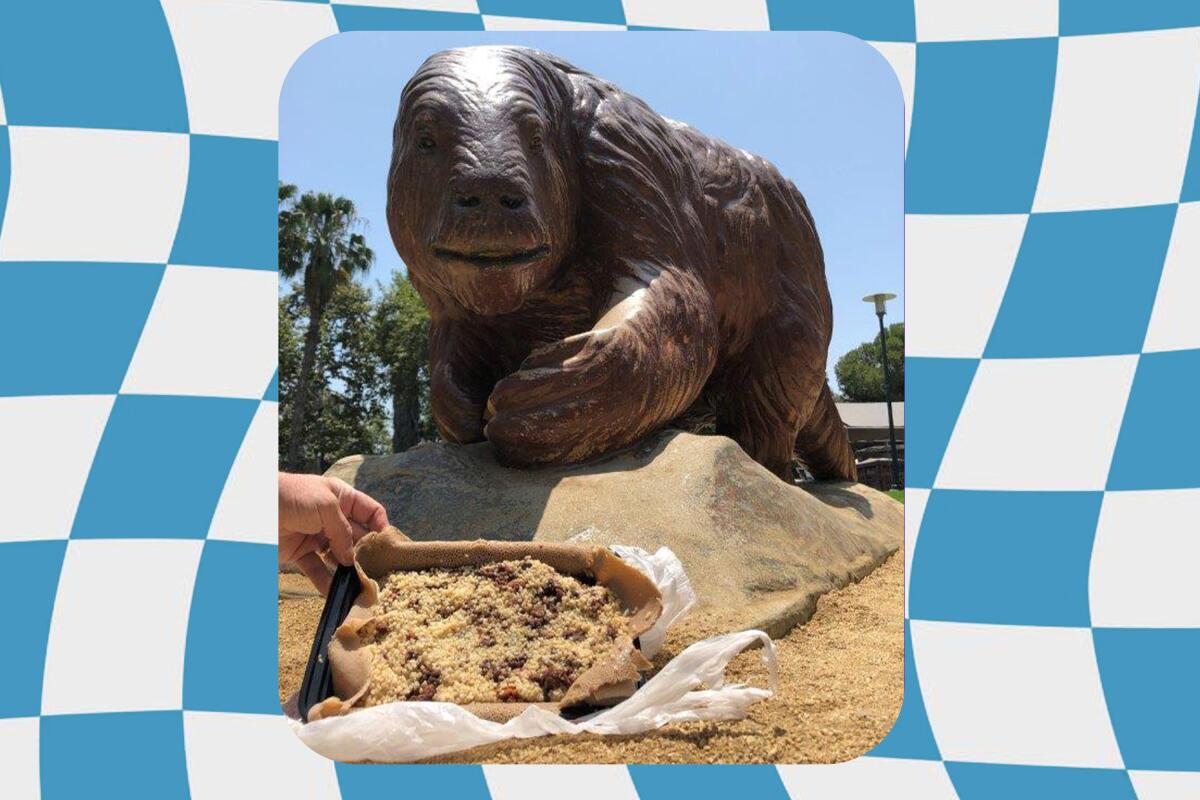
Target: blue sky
[(824, 107)]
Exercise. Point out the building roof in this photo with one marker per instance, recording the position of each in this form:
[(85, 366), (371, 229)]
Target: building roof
[(870, 415)]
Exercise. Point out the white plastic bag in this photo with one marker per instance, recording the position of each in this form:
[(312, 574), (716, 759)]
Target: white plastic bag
[(407, 731), (666, 570)]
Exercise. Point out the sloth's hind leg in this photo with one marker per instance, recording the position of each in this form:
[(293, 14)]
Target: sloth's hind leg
[(759, 400), (822, 441), (775, 402)]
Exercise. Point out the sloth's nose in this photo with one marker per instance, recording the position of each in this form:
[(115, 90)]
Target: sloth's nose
[(489, 190)]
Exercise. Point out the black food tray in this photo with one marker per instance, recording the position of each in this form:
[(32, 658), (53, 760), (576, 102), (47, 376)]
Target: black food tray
[(318, 677)]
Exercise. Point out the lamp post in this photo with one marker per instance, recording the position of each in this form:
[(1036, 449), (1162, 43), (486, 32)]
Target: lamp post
[(880, 301)]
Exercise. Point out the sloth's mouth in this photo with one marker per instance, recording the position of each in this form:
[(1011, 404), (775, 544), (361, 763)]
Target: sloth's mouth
[(493, 258)]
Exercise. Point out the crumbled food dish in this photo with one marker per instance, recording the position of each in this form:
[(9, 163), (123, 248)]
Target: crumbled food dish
[(507, 631)]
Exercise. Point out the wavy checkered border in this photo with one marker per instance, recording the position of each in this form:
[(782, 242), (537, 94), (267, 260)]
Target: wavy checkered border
[(1053, 244)]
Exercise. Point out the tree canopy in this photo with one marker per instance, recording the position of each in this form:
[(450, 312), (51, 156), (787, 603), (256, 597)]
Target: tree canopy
[(401, 338), (860, 372), (361, 355), (319, 245), (347, 413)]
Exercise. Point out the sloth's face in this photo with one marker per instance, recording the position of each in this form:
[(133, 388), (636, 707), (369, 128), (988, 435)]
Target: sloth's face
[(480, 204)]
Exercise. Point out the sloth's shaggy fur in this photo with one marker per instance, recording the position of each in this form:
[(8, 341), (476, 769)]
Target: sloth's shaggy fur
[(595, 271)]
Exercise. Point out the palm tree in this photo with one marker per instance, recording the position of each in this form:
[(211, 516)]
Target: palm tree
[(290, 241), (316, 239)]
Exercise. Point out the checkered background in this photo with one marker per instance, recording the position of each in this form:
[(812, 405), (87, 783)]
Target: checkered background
[(1053, 267)]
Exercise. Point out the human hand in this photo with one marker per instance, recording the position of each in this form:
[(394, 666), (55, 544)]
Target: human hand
[(320, 516)]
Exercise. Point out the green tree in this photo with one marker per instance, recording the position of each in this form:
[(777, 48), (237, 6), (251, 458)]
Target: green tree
[(351, 415), (290, 240), (401, 326), (290, 349), (346, 414), (318, 243), (860, 372)]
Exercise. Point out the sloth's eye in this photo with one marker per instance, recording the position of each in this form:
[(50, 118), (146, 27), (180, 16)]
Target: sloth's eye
[(426, 143), (535, 142)]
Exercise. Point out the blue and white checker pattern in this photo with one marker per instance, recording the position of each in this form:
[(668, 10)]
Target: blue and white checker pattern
[(1053, 266)]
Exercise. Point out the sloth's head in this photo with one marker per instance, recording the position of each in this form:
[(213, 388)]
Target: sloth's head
[(482, 193)]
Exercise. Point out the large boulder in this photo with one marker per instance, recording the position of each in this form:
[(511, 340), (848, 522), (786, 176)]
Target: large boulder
[(759, 552)]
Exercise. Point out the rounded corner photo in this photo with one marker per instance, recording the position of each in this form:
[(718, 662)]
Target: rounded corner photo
[(591, 397)]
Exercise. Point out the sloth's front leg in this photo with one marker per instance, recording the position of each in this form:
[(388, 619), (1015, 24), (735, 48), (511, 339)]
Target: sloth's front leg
[(642, 364), (460, 378)]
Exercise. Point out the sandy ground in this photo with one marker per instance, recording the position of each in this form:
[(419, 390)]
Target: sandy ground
[(841, 685)]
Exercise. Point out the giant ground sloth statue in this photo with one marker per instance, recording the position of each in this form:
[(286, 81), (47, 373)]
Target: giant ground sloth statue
[(594, 270)]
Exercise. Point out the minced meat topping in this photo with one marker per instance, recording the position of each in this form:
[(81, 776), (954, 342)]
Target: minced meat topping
[(502, 632)]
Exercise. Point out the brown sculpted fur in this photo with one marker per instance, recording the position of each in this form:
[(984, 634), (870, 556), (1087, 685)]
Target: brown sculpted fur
[(595, 271)]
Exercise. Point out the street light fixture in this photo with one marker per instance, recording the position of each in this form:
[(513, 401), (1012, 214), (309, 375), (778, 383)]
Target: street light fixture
[(880, 301)]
